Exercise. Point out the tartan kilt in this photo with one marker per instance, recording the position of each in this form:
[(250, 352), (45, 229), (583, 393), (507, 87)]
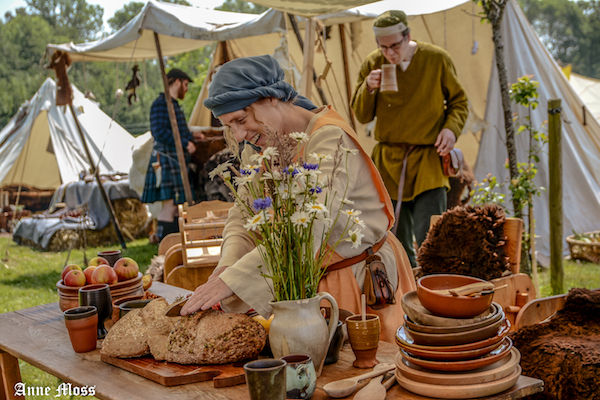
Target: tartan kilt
[(170, 185)]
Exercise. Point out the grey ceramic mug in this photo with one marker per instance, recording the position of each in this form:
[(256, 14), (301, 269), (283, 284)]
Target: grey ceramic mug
[(266, 379), (300, 376)]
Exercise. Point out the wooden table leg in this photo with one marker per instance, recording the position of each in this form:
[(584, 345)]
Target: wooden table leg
[(11, 375)]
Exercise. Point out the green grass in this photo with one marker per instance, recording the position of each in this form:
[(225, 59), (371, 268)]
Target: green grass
[(28, 278)]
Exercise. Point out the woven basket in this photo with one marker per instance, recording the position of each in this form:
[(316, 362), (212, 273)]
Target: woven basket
[(584, 250)]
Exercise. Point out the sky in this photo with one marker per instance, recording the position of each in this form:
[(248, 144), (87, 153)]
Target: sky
[(110, 6)]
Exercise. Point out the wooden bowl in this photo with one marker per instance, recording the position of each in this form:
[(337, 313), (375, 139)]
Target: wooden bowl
[(464, 365), (452, 355), (447, 305), (495, 315), (419, 314), (447, 339), (403, 339)]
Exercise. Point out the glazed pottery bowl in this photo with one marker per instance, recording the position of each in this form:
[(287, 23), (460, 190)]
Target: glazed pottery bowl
[(117, 303), (496, 315), (82, 324), (448, 305), (448, 339), (127, 306)]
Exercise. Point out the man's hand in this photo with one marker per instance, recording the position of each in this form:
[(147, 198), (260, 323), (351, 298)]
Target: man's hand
[(445, 142), (374, 79), (191, 147), (206, 296)]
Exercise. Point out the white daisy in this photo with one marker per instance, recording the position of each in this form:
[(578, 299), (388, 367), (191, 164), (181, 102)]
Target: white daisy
[(270, 152), (320, 157), (221, 168), (300, 218), (350, 151), (317, 208), (352, 213), (358, 221), (242, 180), (299, 137), (255, 221), (355, 236)]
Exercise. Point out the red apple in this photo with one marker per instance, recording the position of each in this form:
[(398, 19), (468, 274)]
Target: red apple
[(126, 268), (98, 261), (104, 274), (88, 273), (68, 268), (75, 277)]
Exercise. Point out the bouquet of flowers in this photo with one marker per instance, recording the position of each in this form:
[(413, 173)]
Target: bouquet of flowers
[(286, 203)]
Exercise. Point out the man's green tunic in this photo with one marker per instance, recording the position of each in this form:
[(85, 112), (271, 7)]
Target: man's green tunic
[(429, 98)]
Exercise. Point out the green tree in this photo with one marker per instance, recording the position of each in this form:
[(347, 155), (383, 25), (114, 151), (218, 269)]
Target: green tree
[(124, 15), (241, 6), (75, 19)]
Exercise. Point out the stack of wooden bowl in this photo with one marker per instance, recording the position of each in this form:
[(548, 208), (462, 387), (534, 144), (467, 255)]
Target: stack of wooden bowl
[(68, 296), (449, 357)]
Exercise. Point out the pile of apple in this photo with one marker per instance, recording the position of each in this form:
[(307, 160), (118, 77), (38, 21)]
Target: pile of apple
[(99, 271)]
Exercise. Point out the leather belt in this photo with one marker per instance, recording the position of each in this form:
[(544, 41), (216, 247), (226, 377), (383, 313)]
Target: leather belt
[(346, 262)]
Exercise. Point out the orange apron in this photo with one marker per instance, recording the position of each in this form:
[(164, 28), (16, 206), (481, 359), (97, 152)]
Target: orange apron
[(341, 283)]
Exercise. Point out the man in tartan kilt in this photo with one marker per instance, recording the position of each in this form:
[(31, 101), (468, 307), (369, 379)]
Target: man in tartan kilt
[(163, 179)]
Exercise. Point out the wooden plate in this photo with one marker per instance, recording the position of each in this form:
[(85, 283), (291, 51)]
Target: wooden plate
[(445, 339), (466, 365), (419, 314), (452, 355), (494, 316), (70, 290), (404, 339), (492, 372), (459, 391)]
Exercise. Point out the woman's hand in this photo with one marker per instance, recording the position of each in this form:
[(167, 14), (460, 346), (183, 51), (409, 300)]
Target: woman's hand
[(206, 296)]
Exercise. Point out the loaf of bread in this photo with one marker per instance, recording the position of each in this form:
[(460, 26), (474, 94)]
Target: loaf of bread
[(207, 337)]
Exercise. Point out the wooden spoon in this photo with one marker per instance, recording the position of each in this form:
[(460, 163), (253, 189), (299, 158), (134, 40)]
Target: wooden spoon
[(345, 387), (465, 290), (375, 390)]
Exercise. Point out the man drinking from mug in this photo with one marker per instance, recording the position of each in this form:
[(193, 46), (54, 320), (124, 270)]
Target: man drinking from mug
[(415, 125)]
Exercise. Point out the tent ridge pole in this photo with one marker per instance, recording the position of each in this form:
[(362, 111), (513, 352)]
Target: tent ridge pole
[(346, 74), (174, 128), (111, 210)]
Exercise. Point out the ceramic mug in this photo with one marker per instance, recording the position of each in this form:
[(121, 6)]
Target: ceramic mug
[(364, 339), (82, 323), (388, 78), (97, 295), (266, 379), (300, 376)]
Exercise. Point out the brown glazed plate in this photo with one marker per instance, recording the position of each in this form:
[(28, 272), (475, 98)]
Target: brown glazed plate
[(403, 338), (494, 316), (492, 372), (464, 365), (451, 355), (447, 339)]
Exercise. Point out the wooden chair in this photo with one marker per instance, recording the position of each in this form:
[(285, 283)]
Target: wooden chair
[(538, 310), (190, 262), (519, 288)]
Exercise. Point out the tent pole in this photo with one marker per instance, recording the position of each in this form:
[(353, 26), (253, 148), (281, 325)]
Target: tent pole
[(308, 58), (294, 23), (555, 196), (346, 74), (174, 127), (111, 210)]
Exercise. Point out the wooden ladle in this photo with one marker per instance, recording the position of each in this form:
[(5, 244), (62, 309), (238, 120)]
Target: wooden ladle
[(466, 290), (345, 387), (375, 390)]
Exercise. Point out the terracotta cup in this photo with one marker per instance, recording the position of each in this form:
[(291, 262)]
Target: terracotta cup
[(388, 78), (82, 324), (266, 379), (364, 339), (300, 376), (97, 295), (111, 256)]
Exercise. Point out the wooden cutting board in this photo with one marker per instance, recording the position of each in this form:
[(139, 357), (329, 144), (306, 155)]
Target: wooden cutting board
[(172, 374)]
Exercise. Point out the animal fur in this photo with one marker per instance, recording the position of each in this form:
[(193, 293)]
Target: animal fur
[(467, 241)]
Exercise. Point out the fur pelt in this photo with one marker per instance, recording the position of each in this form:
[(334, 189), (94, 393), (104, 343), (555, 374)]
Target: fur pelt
[(467, 241)]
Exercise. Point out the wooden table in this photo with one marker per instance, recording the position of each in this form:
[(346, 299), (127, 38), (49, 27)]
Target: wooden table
[(38, 336)]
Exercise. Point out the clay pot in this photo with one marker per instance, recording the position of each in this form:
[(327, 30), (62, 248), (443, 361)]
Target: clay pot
[(97, 295), (82, 323), (117, 302), (364, 339), (299, 327), (111, 256), (266, 379), (127, 306)]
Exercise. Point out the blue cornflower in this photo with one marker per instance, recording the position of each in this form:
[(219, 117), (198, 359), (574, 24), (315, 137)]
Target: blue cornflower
[(293, 171), (316, 190), (245, 171), (310, 166), (262, 204)]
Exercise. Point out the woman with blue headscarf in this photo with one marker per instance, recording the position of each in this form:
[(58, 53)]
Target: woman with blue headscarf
[(251, 98)]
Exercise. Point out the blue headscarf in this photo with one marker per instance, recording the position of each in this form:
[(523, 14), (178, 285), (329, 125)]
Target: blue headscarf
[(243, 81)]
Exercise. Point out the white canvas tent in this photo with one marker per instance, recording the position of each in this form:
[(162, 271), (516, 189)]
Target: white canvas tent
[(41, 147), (588, 89), (454, 25)]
